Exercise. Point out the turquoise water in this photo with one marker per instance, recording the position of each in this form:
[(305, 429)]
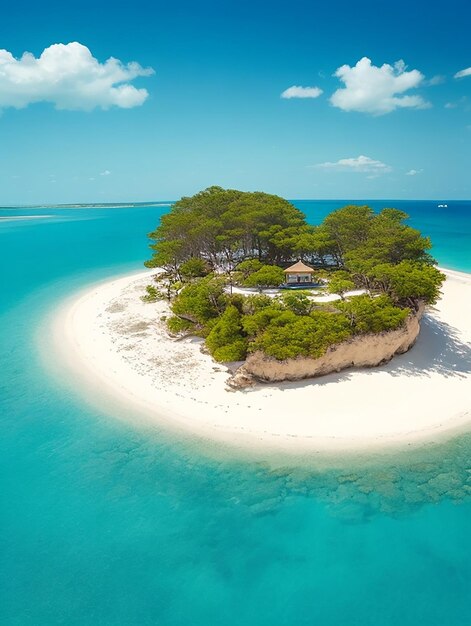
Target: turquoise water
[(106, 522)]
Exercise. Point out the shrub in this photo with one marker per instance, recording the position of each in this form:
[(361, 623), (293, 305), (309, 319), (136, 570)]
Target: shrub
[(226, 341), (202, 300), (177, 325), (152, 295), (372, 315), (299, 303), (409, 281), (267, 276), (305, 336), (193, 268)]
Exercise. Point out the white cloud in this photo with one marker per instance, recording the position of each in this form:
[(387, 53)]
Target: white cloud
[(105, 173), (435, 80), (68, 76), (377, 90), (301, 92), (361, 164), (414, 172), (463, 73)]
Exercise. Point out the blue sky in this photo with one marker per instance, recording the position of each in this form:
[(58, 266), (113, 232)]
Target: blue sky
[(212, 111)]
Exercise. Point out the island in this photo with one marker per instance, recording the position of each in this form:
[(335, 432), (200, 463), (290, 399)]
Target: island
[(215, 248), (257, 330)]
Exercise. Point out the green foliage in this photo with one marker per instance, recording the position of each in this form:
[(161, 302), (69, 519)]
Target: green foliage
[(152, 295), (372, 315), (339, 285), (389, 240), (256, 302), (289, 335), (408, 281), (193, 268), (266, 276), (226, 341), (222, 225), (177, 325), (348, 227), (202, 300), (299, 303), (248, 267), (258, 321)]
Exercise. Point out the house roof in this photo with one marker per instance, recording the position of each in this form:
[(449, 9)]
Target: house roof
[(298, 267)]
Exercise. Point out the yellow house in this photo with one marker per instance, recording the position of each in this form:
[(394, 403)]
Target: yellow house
[(299, 273)]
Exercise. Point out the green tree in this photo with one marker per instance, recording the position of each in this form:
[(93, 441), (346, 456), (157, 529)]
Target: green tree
[(408, 282), (339, 285), (222, 225), (372, 314), (290, 336), (247, 268), (299, 303), (267, 276), (348, 227), (193, 268), (201, 301), (226, 340), (389, 240)]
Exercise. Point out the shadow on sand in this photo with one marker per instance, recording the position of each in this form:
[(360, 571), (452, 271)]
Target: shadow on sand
[(439, 350)]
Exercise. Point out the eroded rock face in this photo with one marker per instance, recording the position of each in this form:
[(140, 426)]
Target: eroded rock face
[(361, 351)]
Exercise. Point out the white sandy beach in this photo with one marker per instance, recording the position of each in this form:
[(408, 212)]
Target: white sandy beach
[(117, 345)]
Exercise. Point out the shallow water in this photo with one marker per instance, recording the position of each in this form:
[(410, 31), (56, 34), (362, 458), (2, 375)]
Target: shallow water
[(110, 522)]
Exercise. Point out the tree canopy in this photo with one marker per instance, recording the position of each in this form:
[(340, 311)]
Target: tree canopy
[(224, 226)]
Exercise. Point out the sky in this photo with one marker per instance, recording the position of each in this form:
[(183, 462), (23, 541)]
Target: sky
[(118, 101)]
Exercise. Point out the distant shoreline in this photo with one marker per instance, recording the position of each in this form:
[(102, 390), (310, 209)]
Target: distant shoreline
[(107, 205), (11, 218), (118, 347)]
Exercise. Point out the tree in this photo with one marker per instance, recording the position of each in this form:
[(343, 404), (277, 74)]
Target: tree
[(408, 282), (201, 301), (289, 336), (348, 227), (389, 240), (372, 315), (193, 268), (299, 303), (247, 268), (339, 284), (226, 340), (267, 276), (222, 226)]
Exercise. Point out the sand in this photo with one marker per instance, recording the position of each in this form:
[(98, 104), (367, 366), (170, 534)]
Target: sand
[(116, 345)]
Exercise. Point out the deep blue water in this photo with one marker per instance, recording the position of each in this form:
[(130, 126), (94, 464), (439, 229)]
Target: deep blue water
[(106, 522)]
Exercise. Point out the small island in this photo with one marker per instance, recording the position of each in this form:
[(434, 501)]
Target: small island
[(249, 275), (254, 329)]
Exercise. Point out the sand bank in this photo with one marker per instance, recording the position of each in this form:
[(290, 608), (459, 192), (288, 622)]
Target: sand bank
[(118, 344)]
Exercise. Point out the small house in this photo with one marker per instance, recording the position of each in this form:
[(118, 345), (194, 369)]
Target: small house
[(299, 274)]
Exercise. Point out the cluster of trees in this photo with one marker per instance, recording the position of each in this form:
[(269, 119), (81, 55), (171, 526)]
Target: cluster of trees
[(220, 228), (285, 326), (219, 237), (223, 227)]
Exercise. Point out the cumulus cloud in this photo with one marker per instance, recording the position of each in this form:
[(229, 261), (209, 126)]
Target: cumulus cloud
[(105, 173), (414, 172), (463, 73), (377, 90), (68, 76), (301, 92), (361, 164)]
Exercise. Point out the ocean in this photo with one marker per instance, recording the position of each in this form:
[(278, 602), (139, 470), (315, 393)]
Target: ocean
[(109, 522)]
